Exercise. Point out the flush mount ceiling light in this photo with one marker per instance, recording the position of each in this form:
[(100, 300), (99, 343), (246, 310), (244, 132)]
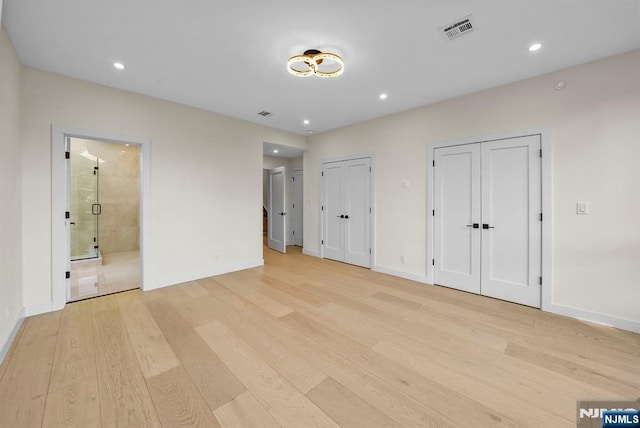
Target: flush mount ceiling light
[(314, 62), (118, 65)]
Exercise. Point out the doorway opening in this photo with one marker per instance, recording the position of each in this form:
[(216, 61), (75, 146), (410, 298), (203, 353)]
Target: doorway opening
[(282, 179), (104, 197)]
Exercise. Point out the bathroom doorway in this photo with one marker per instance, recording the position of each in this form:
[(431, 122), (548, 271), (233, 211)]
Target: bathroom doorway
[(103, 188)]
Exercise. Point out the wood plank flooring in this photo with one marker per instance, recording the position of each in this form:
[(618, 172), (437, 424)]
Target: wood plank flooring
[(304, 342)]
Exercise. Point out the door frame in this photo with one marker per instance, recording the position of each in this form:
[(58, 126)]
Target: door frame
[(294, 173), (547, 200), (372, 190), (60, 204)]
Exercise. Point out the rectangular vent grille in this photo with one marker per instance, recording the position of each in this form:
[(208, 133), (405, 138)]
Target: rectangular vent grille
[(265, 113), (458, 28)]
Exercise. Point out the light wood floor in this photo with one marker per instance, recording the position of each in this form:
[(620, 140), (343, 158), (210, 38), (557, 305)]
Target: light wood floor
[(306, 342)]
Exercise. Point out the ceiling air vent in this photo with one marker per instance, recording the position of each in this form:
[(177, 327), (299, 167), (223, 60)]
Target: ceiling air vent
[(265, 113), (458, 28)]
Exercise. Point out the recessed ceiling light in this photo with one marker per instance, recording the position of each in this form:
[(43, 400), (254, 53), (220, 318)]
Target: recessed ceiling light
[(275, 151), (534, 47), (383, 96), (118, 65), (560, 85), (306, 121)]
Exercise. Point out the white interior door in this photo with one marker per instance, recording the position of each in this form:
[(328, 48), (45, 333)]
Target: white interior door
[(277, 212), (457, 214), (332, 210), (296, 208), (356, 209), (512, 229)]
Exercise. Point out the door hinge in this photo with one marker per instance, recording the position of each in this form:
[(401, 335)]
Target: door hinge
[(433, 262), (294, 205), (323, 173), (67, 214), (433, 214), (369, 250), (67, 275), (369, 169), (322, 208), (370, 210), (95, 246), (540, 280), (67, 155), (434, 163), (322, 242), (540, 152), (293, 232), (293, 178), (540, 216)]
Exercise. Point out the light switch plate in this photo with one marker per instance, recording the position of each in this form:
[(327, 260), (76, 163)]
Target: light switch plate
[(582, 208)]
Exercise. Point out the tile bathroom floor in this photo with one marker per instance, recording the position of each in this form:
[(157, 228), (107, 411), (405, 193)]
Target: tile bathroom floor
[(119, 272)]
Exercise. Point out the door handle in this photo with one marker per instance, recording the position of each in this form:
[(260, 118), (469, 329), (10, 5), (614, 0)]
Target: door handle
[(283, 213), (346, 216), (340, 216), (474, 225), (486, 226)]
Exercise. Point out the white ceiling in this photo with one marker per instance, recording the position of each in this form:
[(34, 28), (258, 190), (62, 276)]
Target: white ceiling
[(230, 57)]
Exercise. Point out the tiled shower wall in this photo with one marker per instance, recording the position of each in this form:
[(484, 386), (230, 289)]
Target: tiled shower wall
[(118, 193)]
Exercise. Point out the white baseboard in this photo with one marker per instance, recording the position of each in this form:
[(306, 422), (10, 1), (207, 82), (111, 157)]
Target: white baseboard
[(311, 253), (12, 336), (596, 317), (40, 308), (230, 267), (402, 274)]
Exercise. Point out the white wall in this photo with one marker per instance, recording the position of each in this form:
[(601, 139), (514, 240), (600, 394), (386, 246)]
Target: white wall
[(206, 171), (10, 193), (596, 155)]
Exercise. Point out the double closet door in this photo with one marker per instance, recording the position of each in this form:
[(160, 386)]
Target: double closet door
[(487, 219), (346, 211)]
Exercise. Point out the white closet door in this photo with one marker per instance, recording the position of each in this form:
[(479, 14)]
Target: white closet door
[(333, 199), (277, 212), (357, 221), (457, 208), (296, 208), (511, 206)]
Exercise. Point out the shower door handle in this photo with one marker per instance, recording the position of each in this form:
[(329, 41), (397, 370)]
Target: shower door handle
[(96, 209)]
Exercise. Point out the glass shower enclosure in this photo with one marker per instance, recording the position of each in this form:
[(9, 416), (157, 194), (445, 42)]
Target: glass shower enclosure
[(85, 207)]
